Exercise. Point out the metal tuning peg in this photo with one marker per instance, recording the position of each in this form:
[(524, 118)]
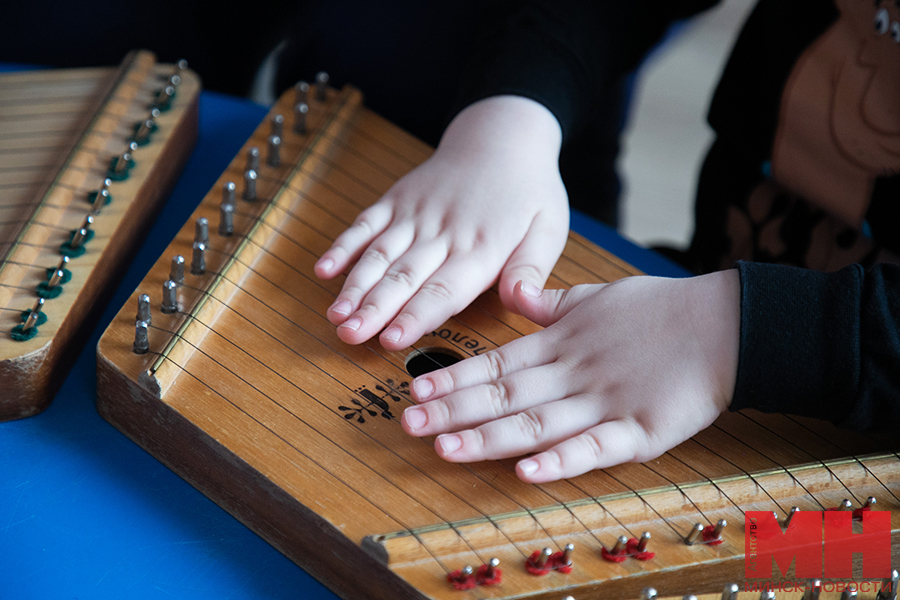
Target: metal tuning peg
[(58, 274), (301, 93), (848, 594), (846, 504), (301, 109), (813, 591), (767, 595), (122, 164), (889, 587), (82, 234), (567, 555), (870, 502), (250, 178), (321, 86), (176, 273), (101, 197), (201, 242), (201, 230), (787, 521), (720, 528), (543, 557), (642, 543), (730, 591), (277, 125), (648, 593), (226, 210), (689, 597), (141, 338), (273, 159), (164, 97), (252, 159), (694, 536), (143, 309), (170, 297), (491, 570), (34, 316)]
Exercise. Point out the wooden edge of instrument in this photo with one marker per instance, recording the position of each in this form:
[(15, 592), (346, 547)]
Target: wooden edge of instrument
[(296, 531), (41, 373)]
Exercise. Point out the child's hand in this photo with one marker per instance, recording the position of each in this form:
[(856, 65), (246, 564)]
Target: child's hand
[(623, 372), (489, 202)]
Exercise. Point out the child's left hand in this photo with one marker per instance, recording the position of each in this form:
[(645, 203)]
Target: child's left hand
[(622, 373)]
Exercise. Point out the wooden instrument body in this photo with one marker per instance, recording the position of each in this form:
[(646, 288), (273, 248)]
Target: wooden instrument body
[(248, 394), (94, 118)]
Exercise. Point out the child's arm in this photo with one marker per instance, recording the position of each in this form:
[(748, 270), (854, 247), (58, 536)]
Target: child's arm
[(489, 202), (622, 373)]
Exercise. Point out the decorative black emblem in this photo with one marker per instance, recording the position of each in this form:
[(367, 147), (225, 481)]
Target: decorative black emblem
[(375, 404)]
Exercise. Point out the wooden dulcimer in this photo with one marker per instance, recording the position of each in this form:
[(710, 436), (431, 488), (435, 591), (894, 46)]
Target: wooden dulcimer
[(87, 156), (224, 366)]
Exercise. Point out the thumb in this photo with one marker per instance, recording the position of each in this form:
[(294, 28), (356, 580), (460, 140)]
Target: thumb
[(546, 307), (532, 261)]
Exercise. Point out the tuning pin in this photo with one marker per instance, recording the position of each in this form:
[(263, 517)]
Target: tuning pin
[(226, 219), (101, 199), (228, 193), (870, 502), (33, 316), (58, 274), (274, 157), (176, 273), (141, 339), (848, 594), (787, 520), (201, 230), (846, 505), (694, 535), (689, 597), (170, 297), (491, 571), (301, 109), (648, 593), (142, 135), (465, 575), (642, 543), (720, 527), (301, 92), (321, 86), (543, 557), (143, 311), (250, 185), (620, 546), (82, 233), (730, 591), (252, 159), (767, 595), (124, 161), (813, 591), (277, 125), (198, 261), (567, 554), (889, 587), (164, 98)]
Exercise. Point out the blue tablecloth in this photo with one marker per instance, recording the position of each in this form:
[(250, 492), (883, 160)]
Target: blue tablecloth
[(85, 513)]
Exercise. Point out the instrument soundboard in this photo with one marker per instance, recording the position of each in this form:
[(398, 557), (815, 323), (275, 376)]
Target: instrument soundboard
[(87, 156), (224, 366)]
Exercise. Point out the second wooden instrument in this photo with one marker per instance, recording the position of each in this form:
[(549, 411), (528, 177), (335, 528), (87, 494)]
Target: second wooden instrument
[(86, 158), (239, 383)]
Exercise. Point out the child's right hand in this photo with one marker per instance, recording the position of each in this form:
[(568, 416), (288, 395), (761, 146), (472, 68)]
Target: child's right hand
[(489, 202)]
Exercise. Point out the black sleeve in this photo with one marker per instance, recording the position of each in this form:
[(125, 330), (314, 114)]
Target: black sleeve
[(824, 345), (563, 53)]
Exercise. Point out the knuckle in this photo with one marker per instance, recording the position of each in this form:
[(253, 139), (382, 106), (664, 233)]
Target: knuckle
[(496, 365), (404, 275), (499, 398), (376, 254), (531, 425), (593, 448), (439, 290)]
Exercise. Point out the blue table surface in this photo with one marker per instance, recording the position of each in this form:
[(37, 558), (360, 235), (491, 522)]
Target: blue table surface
[(86, 513)]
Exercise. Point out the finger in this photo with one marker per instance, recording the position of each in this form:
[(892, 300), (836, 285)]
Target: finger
[(481, 403), (606, 445), (449, 290), (350, 244), (526, 352), (370, 268), (546, 307), (530, 430), (532, 261), (400, 282)]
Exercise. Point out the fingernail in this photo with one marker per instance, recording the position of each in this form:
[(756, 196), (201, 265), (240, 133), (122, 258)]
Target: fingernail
[(415, 418), (449, 443), (325, 264), (531, 290), (423, 388), (341, 307), (392, 334), (528, 466), (352, 324)]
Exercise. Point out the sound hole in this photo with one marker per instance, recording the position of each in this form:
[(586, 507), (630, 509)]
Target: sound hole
[(430, 359)]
